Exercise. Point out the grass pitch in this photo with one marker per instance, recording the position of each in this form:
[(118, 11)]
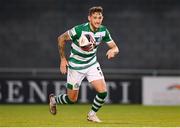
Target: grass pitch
[(75, 116)]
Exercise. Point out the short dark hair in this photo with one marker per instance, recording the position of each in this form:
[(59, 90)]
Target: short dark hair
[(95, 9)]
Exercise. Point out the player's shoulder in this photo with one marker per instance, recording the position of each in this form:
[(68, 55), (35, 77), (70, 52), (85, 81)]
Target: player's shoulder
[(81, 25)]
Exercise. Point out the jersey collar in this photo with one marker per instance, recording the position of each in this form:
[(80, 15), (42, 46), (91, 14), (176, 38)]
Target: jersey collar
[(91, 29)]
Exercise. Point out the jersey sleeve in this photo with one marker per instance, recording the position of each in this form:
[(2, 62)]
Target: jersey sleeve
[(74, 33), (107, 38)]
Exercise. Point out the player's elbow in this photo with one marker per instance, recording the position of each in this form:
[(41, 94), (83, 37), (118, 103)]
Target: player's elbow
[(116, 50)]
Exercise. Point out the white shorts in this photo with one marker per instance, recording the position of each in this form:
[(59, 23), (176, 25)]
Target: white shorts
[(75, 77)]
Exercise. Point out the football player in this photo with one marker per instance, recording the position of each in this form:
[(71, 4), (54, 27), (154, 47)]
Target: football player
[(83, 62)]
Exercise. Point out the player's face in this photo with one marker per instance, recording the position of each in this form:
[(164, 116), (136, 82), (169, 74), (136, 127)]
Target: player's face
[(95, 20)]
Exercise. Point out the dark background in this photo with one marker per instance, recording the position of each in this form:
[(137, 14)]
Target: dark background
[(147, 32)]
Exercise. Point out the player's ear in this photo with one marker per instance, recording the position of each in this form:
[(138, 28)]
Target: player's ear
[(89, 17)]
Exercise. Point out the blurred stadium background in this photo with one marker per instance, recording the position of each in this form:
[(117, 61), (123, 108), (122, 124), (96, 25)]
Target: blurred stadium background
[(147, 32), (146, 72)]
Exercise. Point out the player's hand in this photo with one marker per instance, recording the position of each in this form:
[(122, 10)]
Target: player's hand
[(63, 66), (110, 54)]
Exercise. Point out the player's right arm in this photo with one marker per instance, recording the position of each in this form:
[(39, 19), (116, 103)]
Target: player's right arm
[(61, 47)]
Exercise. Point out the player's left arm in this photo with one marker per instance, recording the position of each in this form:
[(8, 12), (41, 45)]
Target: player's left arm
[(113, 48), (113, 51)]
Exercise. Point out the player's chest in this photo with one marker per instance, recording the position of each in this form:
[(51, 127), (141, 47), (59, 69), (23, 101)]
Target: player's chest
[(98, 36)]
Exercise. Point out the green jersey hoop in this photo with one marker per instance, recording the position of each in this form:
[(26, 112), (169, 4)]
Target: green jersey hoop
[(80, 59)]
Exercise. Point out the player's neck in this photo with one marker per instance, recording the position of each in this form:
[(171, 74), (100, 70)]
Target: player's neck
[(92, 28)]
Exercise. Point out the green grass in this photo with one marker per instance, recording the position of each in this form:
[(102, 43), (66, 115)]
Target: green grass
[(75, 115)]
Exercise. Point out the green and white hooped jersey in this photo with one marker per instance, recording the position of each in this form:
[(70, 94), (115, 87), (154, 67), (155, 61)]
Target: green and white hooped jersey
[(80, 59)]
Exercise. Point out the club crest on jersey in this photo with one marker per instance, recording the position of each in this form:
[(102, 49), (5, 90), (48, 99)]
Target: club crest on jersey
[(76, 85)]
